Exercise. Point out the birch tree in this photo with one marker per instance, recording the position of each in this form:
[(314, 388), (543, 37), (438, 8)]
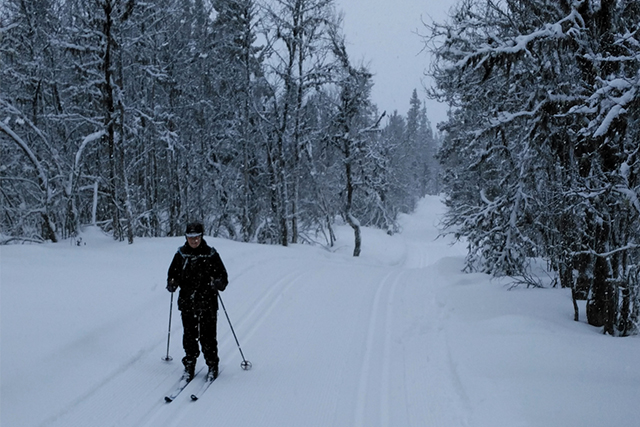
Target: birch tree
[(300, 65), (350, 132), (30, 177)]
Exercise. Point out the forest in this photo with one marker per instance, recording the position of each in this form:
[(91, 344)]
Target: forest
[(249, 116), (540, 155)]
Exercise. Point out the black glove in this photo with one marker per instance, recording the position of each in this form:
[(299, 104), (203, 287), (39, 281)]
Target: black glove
[(219, 283), (172, 285)]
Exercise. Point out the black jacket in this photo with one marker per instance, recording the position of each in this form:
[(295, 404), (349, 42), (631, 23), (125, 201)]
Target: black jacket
[(200, 275)]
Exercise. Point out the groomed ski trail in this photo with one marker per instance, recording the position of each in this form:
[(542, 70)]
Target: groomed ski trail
[(374, 402), (396, 337), (339, 339)]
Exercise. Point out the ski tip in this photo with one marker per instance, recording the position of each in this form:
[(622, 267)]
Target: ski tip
[(194, 397)]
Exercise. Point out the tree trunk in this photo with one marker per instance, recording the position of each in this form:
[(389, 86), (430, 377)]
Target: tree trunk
[(602, 302), (351, 220)]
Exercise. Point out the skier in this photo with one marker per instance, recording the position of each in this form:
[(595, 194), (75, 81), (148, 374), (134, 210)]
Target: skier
[(200, 274)]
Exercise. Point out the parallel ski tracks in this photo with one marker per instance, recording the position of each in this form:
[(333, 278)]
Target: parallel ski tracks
[(379, 387), (257, 315), (378, 355), (266, 304), (149, 394), (386, 392)]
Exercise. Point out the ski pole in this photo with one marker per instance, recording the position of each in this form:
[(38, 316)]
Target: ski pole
[(168, 358), (246, 365)]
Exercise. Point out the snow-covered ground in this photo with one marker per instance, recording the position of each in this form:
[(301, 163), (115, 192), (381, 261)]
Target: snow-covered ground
[(397, 337)]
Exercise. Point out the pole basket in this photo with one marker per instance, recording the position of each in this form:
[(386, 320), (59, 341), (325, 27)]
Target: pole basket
[(246, 365)]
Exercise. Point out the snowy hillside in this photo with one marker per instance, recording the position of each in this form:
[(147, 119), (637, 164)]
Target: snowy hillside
[(397, 337)]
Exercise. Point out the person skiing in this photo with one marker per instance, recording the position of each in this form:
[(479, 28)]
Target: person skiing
[(198, 271)]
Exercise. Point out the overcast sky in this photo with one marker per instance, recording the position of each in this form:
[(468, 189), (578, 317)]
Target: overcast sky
[(382, 34)]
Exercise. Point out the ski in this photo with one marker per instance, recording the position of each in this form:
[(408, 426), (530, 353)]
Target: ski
[(204, 387), (182, 384)]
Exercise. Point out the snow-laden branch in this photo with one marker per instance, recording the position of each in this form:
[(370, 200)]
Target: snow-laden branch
[(618, 109), (8, 27), (630, 195), (75, 47), (44, 181), (628, 247), (521, 43), (87, 139)]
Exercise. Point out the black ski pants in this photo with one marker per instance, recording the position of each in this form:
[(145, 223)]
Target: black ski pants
[(200, 326)]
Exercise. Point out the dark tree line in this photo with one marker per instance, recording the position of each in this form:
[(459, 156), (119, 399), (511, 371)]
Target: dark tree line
[(541, 146), (139, 116)]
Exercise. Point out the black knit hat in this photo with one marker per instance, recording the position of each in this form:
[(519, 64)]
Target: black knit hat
[(194, 229)]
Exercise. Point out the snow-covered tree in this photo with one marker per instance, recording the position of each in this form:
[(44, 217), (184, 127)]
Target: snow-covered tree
[(31, 179), (240, 92), (351, 135), (300, 65), (139, 116), (540, 152)]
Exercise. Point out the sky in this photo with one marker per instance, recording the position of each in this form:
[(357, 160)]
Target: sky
[(382, 34)]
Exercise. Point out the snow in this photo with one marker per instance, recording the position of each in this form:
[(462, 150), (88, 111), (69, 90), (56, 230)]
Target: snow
[(396, 337), (87, 140)]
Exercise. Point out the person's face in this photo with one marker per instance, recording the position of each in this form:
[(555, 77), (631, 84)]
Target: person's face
[(194, 242)]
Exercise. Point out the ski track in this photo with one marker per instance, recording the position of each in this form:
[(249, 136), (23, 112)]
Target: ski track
[(429, 361), (103, 387), (266, 304), (167, 413), (395, 338), (379, 359), (138, 389), (380, 388), (245, 326), (376, 364)]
